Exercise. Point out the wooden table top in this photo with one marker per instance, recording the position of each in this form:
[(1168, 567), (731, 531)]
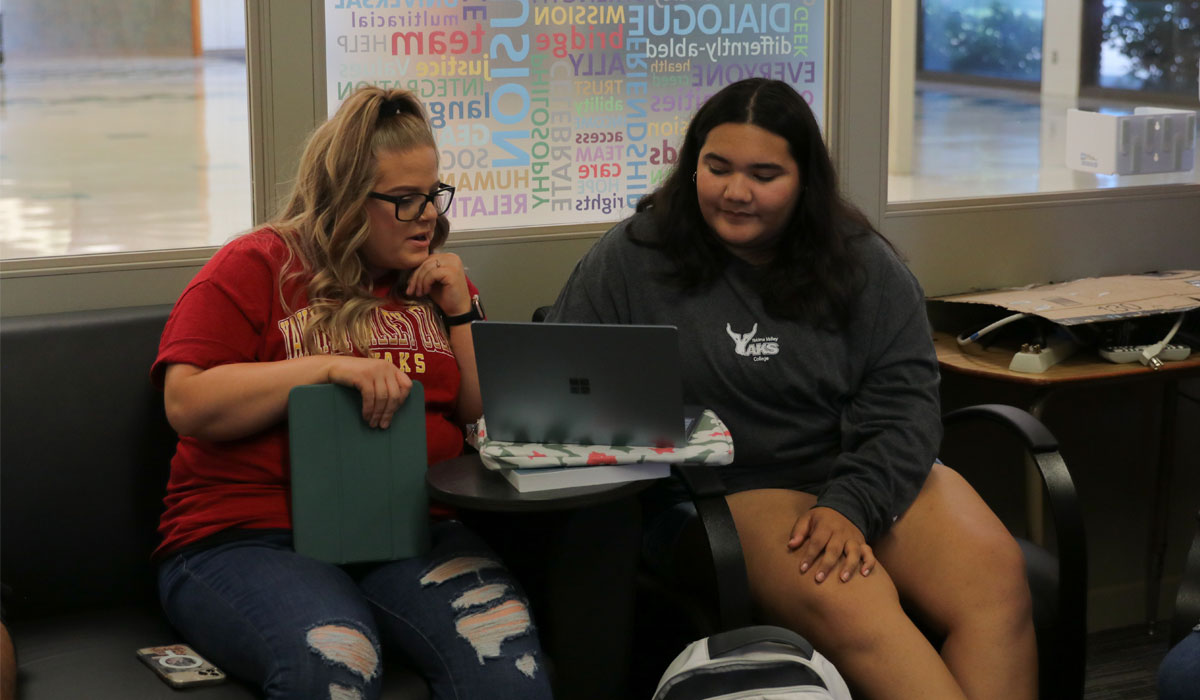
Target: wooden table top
[(1084, 366)]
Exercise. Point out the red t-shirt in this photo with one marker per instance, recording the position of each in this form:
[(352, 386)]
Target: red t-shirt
[(232, 312)]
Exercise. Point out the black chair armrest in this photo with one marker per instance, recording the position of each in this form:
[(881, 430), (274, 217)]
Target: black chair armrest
[(1043, 447), (707, 489), (1187, 600), (1071, 541), (1035, 433)]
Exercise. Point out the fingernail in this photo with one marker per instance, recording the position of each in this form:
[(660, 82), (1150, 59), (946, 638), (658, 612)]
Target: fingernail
[(845, 576), (820, 576), (865, 571), (803, 566)]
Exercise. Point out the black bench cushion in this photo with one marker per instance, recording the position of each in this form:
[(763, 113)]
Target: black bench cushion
[(83, 461), (84, 458), (92, 655)]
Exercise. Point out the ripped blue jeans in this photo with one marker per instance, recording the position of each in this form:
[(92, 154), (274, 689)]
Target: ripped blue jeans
[(301, 628)]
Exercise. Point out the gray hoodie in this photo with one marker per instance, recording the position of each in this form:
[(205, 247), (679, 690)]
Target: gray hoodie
[(851, 416)]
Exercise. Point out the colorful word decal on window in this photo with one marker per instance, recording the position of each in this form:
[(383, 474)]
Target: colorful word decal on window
[(552, 112)]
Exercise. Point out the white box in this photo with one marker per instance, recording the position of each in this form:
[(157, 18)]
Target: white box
[(1151, 140)]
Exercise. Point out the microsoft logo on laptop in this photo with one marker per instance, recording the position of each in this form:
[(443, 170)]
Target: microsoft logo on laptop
[(580, 385)]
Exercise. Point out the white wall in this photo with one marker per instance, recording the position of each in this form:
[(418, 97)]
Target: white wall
[(1062, 47), (902, 88)]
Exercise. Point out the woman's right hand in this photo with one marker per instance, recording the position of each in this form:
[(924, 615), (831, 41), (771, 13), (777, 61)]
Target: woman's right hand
[(825, 538), (382, 385)]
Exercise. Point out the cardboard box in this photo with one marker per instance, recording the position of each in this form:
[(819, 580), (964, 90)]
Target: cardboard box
[(1151, 140), (1095, 299)]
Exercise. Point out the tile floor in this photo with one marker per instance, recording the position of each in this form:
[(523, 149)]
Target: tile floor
[(110, 155), (1122, 664)]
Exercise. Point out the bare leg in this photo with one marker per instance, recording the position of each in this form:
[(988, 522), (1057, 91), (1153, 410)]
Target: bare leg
[(859, 625), (953, 559)]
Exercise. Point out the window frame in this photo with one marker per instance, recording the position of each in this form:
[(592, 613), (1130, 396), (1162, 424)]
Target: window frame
[(1025, 238)]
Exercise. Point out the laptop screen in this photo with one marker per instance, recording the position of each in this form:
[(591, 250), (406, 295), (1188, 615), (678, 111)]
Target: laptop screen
[(589, 384)]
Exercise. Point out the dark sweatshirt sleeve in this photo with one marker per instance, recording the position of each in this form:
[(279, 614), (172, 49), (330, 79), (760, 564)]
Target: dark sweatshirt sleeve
[(891, 424), (596, 291)]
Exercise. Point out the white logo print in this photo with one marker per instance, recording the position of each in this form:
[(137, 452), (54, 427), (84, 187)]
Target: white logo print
[(741, 340), (746, 345)]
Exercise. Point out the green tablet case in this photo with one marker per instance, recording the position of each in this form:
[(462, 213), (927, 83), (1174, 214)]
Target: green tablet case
[(358, 493)]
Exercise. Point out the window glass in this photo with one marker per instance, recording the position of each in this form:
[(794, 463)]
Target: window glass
[(982, 115), (989, 38), (125, 133), (552, 113)]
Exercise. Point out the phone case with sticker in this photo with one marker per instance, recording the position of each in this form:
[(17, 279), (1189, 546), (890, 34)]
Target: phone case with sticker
[(180, 666)]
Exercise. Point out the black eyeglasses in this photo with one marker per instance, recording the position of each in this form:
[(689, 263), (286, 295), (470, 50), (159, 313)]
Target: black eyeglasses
[(409, 207)]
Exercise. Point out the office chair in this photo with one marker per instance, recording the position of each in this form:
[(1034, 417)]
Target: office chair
[(1187, 600), (1057, 582)]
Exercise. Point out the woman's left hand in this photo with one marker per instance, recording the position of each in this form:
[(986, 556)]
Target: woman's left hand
[(443, 279), (825, 537)]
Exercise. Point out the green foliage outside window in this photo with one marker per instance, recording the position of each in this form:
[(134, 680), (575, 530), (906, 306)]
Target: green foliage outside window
[(994, 39), (1161, 41)]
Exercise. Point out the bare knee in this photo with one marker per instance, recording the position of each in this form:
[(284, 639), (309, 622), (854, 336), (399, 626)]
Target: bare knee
[(981, 567), (999, 592), (850, 616), (1010, 584)]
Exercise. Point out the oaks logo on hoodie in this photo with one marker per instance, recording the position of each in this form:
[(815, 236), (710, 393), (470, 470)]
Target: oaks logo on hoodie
[(746, 345)]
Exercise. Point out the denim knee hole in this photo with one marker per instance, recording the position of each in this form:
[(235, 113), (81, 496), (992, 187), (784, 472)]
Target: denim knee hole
[(527, 665), (485, 630), (479, 596), (488, 629), (459, 566), (345, 646)]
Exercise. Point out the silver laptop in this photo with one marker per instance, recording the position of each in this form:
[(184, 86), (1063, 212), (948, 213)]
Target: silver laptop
[(583, 384)]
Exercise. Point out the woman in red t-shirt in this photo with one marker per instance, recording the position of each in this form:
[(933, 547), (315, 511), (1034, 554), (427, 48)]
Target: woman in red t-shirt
[(344, 286)]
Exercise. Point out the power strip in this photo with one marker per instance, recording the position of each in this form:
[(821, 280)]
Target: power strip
[(1122, 354), (1036, 359)]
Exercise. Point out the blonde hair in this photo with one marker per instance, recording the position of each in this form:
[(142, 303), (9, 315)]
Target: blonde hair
[(324, 222)]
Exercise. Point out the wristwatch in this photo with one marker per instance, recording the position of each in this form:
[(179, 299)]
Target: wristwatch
[(475, 314)]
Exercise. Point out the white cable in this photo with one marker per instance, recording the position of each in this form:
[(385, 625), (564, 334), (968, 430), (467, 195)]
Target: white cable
[(1150, 353), (964, 340)]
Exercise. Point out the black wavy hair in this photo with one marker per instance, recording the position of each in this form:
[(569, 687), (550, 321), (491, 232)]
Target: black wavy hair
[(815, 274)]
